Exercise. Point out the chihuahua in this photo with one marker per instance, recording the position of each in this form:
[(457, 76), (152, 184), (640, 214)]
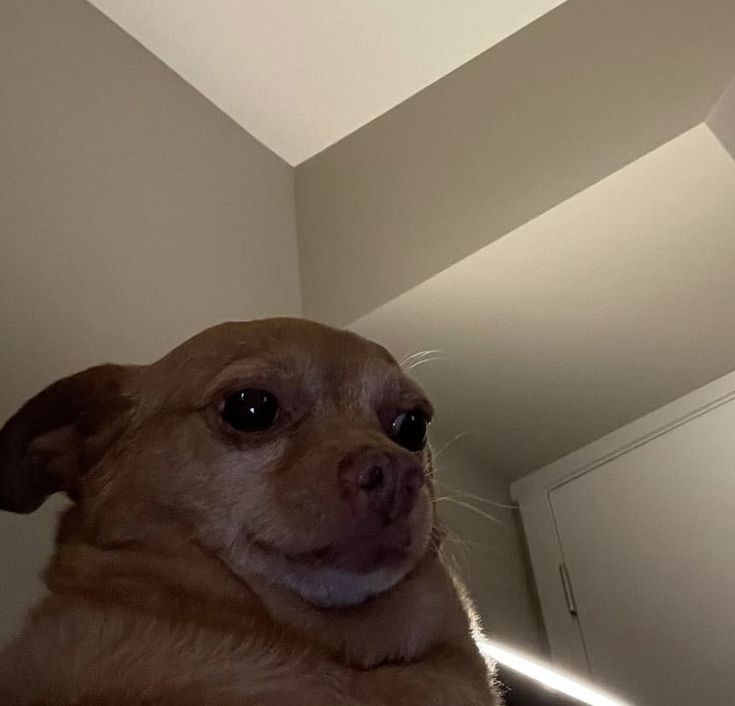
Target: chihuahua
[(252, 522)]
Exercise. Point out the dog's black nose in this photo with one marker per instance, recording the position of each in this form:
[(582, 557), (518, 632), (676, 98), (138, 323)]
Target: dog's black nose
[(371, 478), (382, 482)]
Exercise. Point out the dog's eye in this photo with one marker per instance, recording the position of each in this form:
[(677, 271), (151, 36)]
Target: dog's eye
[(250, 410), (409, 429)]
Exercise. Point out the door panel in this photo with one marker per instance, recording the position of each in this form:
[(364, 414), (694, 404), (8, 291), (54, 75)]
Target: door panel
[(649, 543)]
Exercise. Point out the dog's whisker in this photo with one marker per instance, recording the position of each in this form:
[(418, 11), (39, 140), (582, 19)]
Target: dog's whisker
[(478, 498), (420, 354), (415, 364), (470, 506), (457, 540), (448, 444), (457, 551), (456, 543)]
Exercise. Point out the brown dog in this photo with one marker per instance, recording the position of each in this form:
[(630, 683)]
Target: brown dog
[(253, 524)]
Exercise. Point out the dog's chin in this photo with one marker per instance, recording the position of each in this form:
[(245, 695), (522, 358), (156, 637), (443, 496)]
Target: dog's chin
[(333, 587), (345, 579)]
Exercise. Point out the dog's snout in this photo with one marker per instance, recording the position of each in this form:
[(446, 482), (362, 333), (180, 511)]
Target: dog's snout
[(382, 483)]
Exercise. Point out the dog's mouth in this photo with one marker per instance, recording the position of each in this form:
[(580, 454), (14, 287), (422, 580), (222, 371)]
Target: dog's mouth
[(362, 552), (363, 563), (390, 547)]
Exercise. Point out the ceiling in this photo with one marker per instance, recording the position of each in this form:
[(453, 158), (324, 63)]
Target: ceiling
[(586, 315), (300, 75), (593, 314), (561, 104)]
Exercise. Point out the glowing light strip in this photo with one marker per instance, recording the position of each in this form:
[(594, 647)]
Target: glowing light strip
[(547, 676)]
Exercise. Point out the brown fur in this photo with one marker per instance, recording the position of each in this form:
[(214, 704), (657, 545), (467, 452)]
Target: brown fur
[(170, 581)]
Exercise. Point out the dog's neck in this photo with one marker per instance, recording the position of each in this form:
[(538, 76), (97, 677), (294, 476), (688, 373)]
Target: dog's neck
[(178, 584), (185, 583), (402, 624)]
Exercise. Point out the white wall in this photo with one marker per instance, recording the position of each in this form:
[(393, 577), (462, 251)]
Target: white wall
[(132, 214), (489, 552)]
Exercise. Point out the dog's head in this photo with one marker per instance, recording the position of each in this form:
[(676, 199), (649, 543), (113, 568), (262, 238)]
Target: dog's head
[(286, 448)]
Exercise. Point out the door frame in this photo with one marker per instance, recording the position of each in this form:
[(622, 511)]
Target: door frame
[(533, 495)]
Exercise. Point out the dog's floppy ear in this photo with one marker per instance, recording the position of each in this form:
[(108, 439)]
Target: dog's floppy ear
[(59, 434)]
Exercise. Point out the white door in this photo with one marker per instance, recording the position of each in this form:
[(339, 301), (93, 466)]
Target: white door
[(648, 540)]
